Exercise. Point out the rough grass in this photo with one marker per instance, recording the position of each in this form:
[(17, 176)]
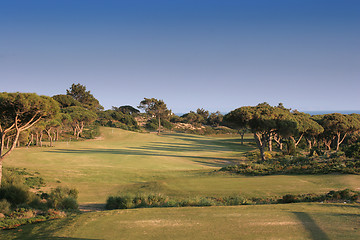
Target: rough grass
[(287, 221)]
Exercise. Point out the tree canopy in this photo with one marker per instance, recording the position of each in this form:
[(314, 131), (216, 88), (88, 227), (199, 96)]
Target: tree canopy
[(19, 112), (87, 100)]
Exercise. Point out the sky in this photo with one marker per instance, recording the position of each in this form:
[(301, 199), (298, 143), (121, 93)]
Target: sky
[(211, 54)]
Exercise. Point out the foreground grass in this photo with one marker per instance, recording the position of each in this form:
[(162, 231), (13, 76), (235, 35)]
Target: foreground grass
[(177, 165), (285, 221)]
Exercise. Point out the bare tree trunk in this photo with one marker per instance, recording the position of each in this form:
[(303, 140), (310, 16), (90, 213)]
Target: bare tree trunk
[(2, 143), (277, 139), (259, 142), (270, 142), (327, 144), (49, 136), (298, 141), (40, 138), (31, 140), (242, 133), (309, 143), (159, 125), (37, 139), (339, 140), (1, 166)]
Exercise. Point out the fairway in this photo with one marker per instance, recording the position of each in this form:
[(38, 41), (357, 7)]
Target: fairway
[(283, 221), (178, 165)]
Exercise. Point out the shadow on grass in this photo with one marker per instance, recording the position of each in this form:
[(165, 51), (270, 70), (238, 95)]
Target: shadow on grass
[(43, 230), (208, 161), (165, 149), (310, 225), (90, 207)]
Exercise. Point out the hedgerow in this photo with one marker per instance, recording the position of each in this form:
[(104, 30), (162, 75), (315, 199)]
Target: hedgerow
[(296, 165)]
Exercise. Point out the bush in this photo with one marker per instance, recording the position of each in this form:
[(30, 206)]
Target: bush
[(353, 151), (91, 131), (69, 203), (120, 202), (16, 194), (296, 165), (153, 124), (5, 206), (289, 198), (63, 198)]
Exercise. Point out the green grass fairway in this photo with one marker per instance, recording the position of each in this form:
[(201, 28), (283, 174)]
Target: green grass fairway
[(287, 221), (178, 165)]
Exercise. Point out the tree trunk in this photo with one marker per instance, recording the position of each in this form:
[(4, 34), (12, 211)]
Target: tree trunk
[(37, 139), (260, 144), (40, 138), (339, 140), (309, 143), (327, 144), (49, 136), (270, 142), (1, 163), (277, 139), (159, 125), (31, 140), (2, 143), (242, 133), (7, 142)]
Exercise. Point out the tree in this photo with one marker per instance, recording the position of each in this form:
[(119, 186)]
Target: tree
[(337, 126), (88, 101), (264, 121), (19, 112), (193, 118), (50, 126), (79, 118), (203, 113), (215, 119), (155, 108), (306, 127), (66, 100), (126, 110)]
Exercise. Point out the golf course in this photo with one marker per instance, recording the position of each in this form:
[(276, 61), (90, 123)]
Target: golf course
[(180, 166)]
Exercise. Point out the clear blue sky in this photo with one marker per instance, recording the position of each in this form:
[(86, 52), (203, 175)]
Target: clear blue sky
[(214, 54)]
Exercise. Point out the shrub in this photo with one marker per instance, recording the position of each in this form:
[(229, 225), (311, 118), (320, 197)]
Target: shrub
[(120, 202), (16, 194), (153, 124), (5, 206), (63, 198), (289, 198), (69, 203), (353, 151)]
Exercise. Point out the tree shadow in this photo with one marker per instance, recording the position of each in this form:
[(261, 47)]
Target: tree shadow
[(208, 161), (188, 149), (91, 207), (310, 225), (228, 144), (45, 231)]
